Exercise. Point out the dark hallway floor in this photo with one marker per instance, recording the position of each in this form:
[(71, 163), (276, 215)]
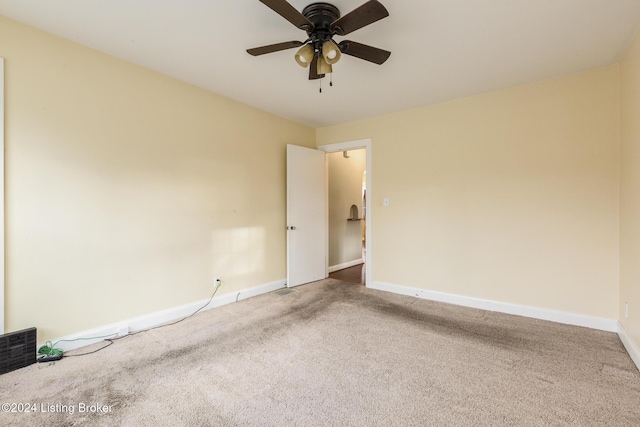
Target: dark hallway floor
[(355, 274)]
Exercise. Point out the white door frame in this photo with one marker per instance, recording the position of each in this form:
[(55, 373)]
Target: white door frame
[(2, 196), (354, 145)]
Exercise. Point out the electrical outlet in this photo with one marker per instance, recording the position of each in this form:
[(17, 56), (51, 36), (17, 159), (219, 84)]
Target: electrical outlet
[(217, 281)]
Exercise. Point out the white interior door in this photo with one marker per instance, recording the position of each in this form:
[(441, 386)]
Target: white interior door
[(306, 215)]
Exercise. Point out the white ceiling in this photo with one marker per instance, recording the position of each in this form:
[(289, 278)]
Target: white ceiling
[(441, 49)]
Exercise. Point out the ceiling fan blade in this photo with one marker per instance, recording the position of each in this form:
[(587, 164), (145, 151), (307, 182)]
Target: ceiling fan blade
[(273, 47), (362, 16), (363, 51), (313, 69), (290, 13)]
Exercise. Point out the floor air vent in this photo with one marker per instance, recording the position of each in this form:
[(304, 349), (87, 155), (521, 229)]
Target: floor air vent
[(17, 350)]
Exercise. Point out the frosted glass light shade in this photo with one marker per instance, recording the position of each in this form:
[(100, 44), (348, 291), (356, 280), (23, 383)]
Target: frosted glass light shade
[(323, 67), (304, 55), (331, 52)]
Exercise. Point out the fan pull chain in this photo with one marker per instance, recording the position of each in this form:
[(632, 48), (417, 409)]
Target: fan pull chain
[(331, 79), (320, 80)]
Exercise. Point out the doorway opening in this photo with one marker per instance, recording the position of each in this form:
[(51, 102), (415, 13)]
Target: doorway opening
[(346, 176), (349, 217)]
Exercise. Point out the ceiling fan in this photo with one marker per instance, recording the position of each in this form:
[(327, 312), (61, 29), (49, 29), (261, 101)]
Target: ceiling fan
[(321, 22)]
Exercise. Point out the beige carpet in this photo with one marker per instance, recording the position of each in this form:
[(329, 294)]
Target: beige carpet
[(338, 354)]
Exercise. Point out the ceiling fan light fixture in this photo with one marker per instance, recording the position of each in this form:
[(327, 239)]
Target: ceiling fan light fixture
[(324, 67), (321, 22), (304, 55), (331, 52)]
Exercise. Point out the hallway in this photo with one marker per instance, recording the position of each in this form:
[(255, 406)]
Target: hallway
[(355, 274)]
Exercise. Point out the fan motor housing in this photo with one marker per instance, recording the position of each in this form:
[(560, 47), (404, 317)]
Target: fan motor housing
[(321, 15)]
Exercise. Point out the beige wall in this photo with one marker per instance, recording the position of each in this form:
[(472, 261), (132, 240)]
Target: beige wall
[(345, 189), (127, 191), (630, 189), (511, 196)]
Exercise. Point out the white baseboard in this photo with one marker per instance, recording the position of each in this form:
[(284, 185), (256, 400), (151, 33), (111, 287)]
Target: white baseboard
[(630, 345), (601, 323), (88, 337), (344, 265)]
